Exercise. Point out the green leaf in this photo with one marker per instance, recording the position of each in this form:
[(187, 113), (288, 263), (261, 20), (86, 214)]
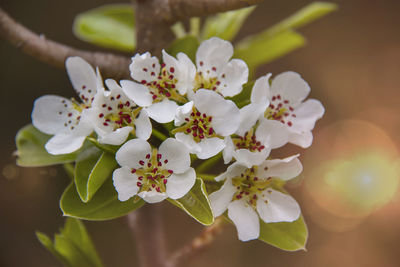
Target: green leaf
[(226, 25), (187, 45), (259, 49), (72, 246), (243, 98), (103, 206), (281, 38), (109, 26), (289, 236), (91, 170), (31, 152), (303, 17), (196, 203)]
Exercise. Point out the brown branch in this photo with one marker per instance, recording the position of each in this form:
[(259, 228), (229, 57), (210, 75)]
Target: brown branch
[(198, 244), (55, 53), (146, 225)]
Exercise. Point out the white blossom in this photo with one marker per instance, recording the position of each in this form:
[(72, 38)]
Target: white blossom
[(153, 174), (217, 71), (250, 194), (286, 115), (204, 122), (159, 88), (67, 119), (115, 116)]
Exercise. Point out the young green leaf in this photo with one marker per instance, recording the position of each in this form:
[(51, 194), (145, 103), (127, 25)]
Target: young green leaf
[(92, 168), (104, 205), (260, 49), (196, 203), (72, 246), (109, 26), (226, 25), (187, 45), (31, 152), (290, 236)]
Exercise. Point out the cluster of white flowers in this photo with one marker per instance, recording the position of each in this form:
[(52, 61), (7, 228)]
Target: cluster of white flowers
[(205, 123)]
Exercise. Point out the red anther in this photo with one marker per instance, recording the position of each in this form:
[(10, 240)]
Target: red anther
[(255, 178), (154, 65), (162, 65), (198, 113), (101, 115), (223, 75), (105, 124), (201, 63), (188, 130), (149, 164), (154, 97), (148, 156), (120, 106), (254, 196), (143, 82), (291, 109), (141, 162), (133, 170), (166, 161), (167, 94), (83, 87), (152, 73), (286, 101), (171, 171), (118, 96), (162, 176), (279, 97), (214, 88), (258, 143), (104, 105), (218, 83), (273, 98), (139, 184), (159, 164), (109, 108), (239, 196), (173, 86), (209, 119), (192, 114), (289, 123), (262, 147), (187, 119), (144, 69), (165, 181), (78, 118), (201, 136), (204, 115), (196, 121), (246, 193), (120, 113), (286, 114), (171, 77), (201, 131), (155, 170), (140, 178), (69, 114), (158, 189), (153, 185), (272, 106), (194, 127), (194, 134), (214, 69)]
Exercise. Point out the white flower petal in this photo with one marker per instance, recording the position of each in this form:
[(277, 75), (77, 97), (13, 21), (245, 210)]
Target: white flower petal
[(245, 219), (261, 91), (179, 184), (232, 76), (152, 196), (183, 112), (307, 114), (284, 169), (116, 137), (64, 143), (249, 115), (186, 75), (225, 114), (177, 155), (139, 93), (276, 131), (303, 140), (227, 153), (220, 199), (213, 53), (51, 113), (290, 86), (162, 112), (248, 158), (144, 68), (188, 141), (277, 207), (143, 126), (125, 183), (210, 147), (233, 170), (132, 152), (82, 76)]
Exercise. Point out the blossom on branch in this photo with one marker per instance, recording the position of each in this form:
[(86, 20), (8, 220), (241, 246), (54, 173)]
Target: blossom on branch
[(251, 194), (153, 174), (67, 119)]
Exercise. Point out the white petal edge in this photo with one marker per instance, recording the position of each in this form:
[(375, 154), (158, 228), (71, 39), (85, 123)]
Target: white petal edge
[(81, 74), (260, 93), (143, 126), (177, 155), (236, 74), (139, 93), (245, 219), (290, 86), (152, 196), (132, 152), (210, 147), (125, 183), (284, 169), (179, 184), (162, 112), (64, 143), (116, 137), (220, 199)]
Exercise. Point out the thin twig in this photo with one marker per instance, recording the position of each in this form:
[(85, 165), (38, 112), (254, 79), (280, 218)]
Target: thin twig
[(55, 54), (198, 244), (147, 227)]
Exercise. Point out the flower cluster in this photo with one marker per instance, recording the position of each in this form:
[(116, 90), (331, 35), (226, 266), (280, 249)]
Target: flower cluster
[(195, 103)]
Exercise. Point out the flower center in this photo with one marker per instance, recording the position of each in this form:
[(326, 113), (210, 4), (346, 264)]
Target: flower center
[(280, 110), (248, 141), (198, 125), (164, 86), (248, 186), (153, 175)]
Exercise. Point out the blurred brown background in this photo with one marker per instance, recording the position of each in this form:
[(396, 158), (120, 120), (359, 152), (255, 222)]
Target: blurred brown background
[(352, 62)]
